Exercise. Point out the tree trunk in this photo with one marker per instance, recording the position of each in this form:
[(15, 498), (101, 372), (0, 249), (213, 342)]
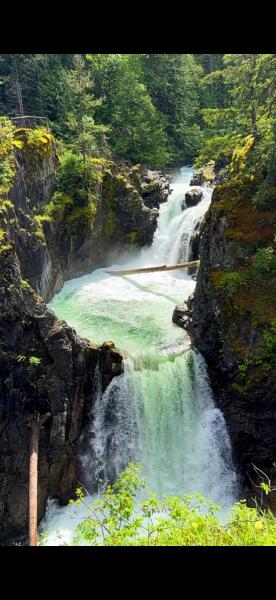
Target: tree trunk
[(33, 536), (35, 423), (193, 263), (18, 91)]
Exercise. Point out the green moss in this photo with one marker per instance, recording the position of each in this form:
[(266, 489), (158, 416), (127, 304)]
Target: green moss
[(111, 223), (39, 221), (239, 388), (121, 178), (59, 206), (233, 234), (133, 237), (25, 285), (80, 221), (7, 155), (34, 143), (230, 282), (151, 187), (5, 247), (5, 204)]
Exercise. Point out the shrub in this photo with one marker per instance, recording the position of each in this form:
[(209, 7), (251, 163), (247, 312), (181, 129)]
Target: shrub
[(231, 282), (71, 178), (7, 160), (129, 515)]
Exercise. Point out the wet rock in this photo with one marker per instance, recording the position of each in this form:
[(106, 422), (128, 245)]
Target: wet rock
[(197, 178), (193, 197), (204, 176), (180, 315), (155, 188), (155, 193), (61, 382), (224, 327)]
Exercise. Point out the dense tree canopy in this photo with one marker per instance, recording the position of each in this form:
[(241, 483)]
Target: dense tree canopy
[(156, 109)]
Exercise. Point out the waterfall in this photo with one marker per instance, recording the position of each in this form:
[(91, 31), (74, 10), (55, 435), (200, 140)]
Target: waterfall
[(160, 411)]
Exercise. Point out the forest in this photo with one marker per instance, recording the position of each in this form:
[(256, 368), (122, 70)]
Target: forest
[(145, 162)]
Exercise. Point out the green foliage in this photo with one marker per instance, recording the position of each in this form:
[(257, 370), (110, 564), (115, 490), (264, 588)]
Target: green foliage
[(230, 282), (173, 83), (25, 285), (77, 178), (245, 128), (7, 162), (34, 361), (128, 514), (137, 129), (35, 143), (71, 178), (154, 108), (269, 343), (263, 262), (58, 208), (266, 488)]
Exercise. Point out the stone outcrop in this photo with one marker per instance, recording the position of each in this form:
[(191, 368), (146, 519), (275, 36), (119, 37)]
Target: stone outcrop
[(155, 188), (73, 243), (44, 366), (204, 175), (230, 319), (36, 166), (192, 197)]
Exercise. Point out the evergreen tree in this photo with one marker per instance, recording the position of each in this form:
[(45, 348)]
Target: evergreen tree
[(137, 130), (173, 82)]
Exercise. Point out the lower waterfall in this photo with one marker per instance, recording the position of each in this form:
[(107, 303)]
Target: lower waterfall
[(160, 411)]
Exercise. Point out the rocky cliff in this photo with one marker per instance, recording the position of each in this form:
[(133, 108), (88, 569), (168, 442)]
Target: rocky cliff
[(44, 365), (57, 236), (232, 320)]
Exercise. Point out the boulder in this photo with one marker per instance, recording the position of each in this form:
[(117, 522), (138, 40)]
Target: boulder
[(180, 315), (192, 197), (198, 178)]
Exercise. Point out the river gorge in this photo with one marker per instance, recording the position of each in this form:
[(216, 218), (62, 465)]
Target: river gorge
[(161, 410)]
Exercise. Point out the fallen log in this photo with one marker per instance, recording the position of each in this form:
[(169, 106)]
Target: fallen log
[(194, 263)]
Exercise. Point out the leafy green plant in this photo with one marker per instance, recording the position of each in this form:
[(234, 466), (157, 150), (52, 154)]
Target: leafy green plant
[(231, 282), (7, 159), (127, 514), (34, 361)]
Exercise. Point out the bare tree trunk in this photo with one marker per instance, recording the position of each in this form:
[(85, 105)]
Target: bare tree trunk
[(193, 263), (33, 536), (18, 90), (35, 424)]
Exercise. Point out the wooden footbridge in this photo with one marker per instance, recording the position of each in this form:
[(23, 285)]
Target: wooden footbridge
[(186, 265)]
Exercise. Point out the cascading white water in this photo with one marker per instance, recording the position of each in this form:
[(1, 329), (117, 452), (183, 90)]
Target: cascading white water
[(160, 411)]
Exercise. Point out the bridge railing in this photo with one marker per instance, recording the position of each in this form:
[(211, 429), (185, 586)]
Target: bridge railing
[(31, 121)]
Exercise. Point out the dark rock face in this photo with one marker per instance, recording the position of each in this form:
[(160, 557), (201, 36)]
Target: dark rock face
[(54, 252), (192, 197), (129, 220), (35, 179), (180, 317), (155, 188), (194, 249), (61, 381), (198, 178), (204, 176), (44, 365), (228, 328)]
